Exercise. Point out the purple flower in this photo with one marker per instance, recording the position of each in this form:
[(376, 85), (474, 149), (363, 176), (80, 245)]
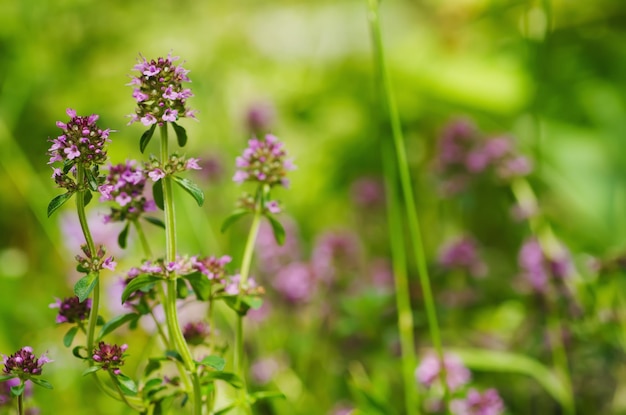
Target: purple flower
[(6, 397), (214, 268), (334, 252), (192, 164), (23, 364), (94, 262), (537, 268), (295, 282), (264, 161), (159, 91), (368, 192), (156, 174), (263, 370), (196, 332), (259, 117), (462, 253), (272, 206), (272, 256), (71, 310), (457, 375), (82, 142), (109, 357), (475, 403)]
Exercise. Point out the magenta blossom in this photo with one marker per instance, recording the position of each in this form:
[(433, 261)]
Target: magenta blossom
[(264, 162), (109, 357), (487, 403), (428, 371), (23, 364), (71, 310)]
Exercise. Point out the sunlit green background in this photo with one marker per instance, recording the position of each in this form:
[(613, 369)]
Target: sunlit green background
[(551, 73)]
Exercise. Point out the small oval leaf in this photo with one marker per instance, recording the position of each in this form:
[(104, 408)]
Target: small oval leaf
[(277, 228), (234, 217), (143, 281), (122, 237), (69, 336), (157, 194), (181, 134), (146, 137), (116, 322), (191, 188), (155, 221), (85, 285), (57, 202)]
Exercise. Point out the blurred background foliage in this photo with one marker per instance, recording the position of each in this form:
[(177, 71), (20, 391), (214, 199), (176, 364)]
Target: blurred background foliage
[(552, 74)]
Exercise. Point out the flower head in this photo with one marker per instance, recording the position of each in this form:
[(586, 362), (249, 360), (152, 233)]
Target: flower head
[(96, 261), (475, 403), (259, 117), (175, 164), (213, 267), (538, 268), (457, 375), (295, 282), (23, 364), (109, 357), (462, 253), (264, 162), (159, 92), (125, 184), (71, 310), (196, 332)]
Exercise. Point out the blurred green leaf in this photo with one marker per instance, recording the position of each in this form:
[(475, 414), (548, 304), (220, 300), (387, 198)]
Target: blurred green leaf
[(181, 134), (146, 137), (69, 336), (57, 202)]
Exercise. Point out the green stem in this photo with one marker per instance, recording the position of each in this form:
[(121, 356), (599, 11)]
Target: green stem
[(403, 299), (171, 312), (121, 393), (142, 238), (407, 191), (20, 401)]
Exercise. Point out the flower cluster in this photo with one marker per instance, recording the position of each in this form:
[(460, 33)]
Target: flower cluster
[(259, 116), (109, 357), (94, 263), (125, 184), (464, 154), (232, 286), (212, 267), (247, 202), (81, 142), (5, 391), (23, 364), (475, 403), (175, 164), (462, 253), (264, 162), (159, 91), (71, 310), (457, 375), (538, 268)]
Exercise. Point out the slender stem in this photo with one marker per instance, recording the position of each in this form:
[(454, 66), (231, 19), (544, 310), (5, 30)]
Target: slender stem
[(20, 401), (407, 192), (246, 262), (142, 238), (403, 298), (171, 312), (82, 218)]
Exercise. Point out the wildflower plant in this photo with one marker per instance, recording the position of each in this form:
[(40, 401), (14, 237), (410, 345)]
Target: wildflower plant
[(160, 282), (20, 368)]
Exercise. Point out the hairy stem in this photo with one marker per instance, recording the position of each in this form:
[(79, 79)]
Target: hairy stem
[(407, 191)]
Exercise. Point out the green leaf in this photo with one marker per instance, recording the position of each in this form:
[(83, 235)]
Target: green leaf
[(91, 180), (6, 377), (155, 383), (191, 188), (153, 364), (17, 390), (155, 221), (277, 228), (85, 285), (234, 217), (226, 409), (116, 322), (257, 396), (227, 377), (76, 352), (57, 202), (123, 236), (174, 355), (157, 194), (182, 291), (253, 301), (67, 165), (496, 361), (200, 284), (146, 137), (128, 386), (69, 336), (216, 362), (41, 382), (142, 282), (87, 196), (91, 369), (181, 134)]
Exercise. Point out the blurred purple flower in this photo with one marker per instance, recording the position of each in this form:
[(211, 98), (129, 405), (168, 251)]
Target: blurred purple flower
[(368, 192), (462, 253), (6, 397), (457, 375), (263, 370), (537, 268), (475, 403), (272, 256), (295, 282), (195, 332), (334, 252), (102, 233), (259, 117), (212, 168)]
